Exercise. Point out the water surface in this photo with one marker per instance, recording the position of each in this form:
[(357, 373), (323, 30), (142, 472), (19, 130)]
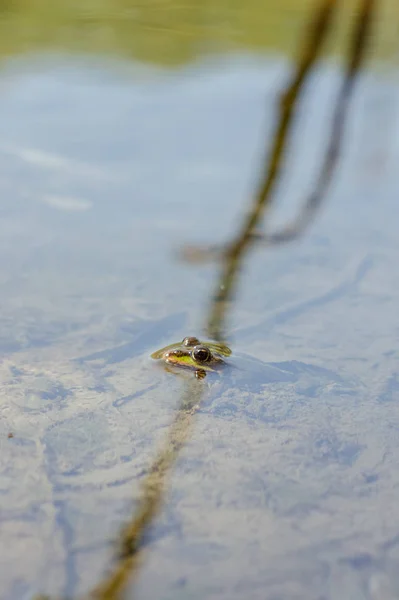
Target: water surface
[(287, 489)]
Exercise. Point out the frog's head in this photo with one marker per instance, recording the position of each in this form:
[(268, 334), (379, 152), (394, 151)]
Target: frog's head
[(193, 354)]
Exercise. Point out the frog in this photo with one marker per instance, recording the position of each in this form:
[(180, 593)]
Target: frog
[(201, 357)]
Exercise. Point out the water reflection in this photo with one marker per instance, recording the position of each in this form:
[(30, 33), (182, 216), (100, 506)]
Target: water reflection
[(248, 234)]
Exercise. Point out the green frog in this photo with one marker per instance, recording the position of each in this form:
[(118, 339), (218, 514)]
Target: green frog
[(205, 357), (195, 355)]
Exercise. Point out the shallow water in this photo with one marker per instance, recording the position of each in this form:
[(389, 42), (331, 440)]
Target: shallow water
[(287, 488)]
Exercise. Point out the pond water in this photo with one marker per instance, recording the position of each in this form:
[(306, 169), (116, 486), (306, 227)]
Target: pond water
[(287, 488)]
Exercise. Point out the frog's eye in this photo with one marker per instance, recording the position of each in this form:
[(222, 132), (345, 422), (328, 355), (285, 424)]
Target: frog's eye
[(190, 341), (201, 354)]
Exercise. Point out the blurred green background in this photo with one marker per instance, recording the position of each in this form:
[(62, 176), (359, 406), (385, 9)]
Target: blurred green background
[(172, 32)]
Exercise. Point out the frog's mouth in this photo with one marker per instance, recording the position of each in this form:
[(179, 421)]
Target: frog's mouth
[(181, 359), (184, 360)]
